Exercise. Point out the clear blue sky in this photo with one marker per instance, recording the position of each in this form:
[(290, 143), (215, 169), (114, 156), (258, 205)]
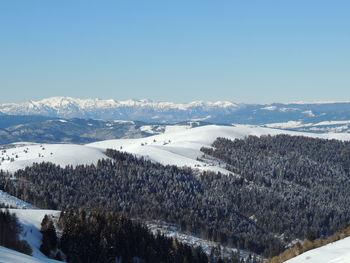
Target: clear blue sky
[(245, 51)]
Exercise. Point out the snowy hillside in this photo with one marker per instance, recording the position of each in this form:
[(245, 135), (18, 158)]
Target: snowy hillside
[(25, 154), (182, 148), (175, 147), (337, 252), (11, 256), (30, 220), (12, 201)]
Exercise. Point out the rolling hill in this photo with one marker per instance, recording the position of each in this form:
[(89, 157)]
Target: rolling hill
[(178, 147)]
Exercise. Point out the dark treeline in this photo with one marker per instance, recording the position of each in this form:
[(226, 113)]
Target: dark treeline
[(205, 205), (293, 184), (104, 237), (9, 233)]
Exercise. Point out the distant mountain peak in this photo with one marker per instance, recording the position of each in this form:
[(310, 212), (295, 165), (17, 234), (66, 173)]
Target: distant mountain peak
[(146, 110)]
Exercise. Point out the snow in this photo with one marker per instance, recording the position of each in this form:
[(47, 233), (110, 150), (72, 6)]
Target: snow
[(11, 256), (337, 252), (182, 147), (30, 220), (176, 128), (269, 108), (60, 154), (192, 240), (179, 146), (287, 125), (12, 201), (309, 113), (58, 103), (333, 126)]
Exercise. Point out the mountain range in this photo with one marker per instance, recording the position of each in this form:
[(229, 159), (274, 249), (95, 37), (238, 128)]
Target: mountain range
[(220, 112)]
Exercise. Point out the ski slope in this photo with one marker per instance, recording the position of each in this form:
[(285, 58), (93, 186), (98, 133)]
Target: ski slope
[(176, 147), (337, 252)]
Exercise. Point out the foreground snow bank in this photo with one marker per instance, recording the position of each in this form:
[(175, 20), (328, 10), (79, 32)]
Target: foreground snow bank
[(337, 252), (11, 256)]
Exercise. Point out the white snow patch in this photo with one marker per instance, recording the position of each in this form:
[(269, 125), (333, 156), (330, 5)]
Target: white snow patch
[(337, 252), (12, 256), (25, 155), (309, 113), (269, 108)]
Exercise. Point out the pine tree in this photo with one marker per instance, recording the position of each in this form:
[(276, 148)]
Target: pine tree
[(49, 237)]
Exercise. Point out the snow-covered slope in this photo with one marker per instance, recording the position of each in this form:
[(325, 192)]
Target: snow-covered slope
[(11, 256), (12, 201), (337, 252), (30, 220), (25, 154), (181, 148)]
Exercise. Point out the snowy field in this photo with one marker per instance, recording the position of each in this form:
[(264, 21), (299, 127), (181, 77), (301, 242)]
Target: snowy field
[(179, 147), (22, 155)]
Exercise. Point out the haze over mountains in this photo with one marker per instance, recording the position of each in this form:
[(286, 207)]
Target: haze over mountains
[(220, 112)]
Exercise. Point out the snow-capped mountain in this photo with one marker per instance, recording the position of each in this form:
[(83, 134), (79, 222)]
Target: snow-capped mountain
[(67, 107), (220, 112)]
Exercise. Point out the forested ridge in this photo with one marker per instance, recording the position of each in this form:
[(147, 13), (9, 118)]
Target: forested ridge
[(145, 190), (300, 183), (285, 187)]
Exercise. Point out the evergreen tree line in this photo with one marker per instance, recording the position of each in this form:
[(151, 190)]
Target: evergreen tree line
[(106, 237), (9, 233), (109, 237), (284, 186), (299, 183), (201, 204)]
